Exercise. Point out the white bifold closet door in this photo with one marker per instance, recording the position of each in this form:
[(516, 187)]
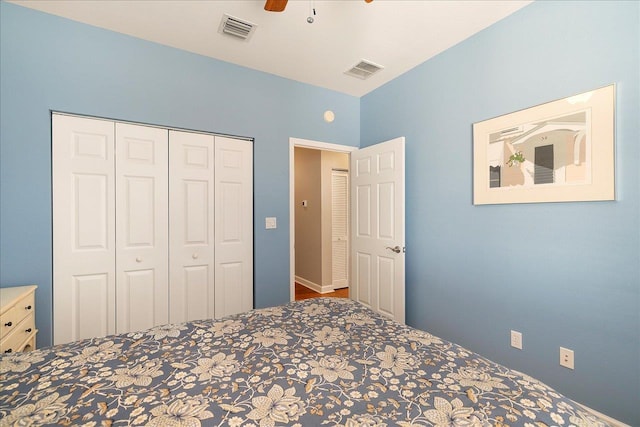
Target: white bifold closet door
[(84, 256), (234, 226), (211, 226), (191, 209), (141, 227), (150, 226)]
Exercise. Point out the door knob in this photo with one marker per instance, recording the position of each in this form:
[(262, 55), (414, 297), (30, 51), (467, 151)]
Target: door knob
[(194, 256), (395, 249)]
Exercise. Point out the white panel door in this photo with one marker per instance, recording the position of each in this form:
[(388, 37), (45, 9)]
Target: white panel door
[(83, 228), (233, 226), (339, 229), (378, 236), (141, 227), (191, 232)]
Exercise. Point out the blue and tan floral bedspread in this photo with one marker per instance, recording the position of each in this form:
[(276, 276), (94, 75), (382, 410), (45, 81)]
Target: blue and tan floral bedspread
[(317, 362)]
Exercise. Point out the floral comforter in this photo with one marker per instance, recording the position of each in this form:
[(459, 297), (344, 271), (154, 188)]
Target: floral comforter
[(317, 362)]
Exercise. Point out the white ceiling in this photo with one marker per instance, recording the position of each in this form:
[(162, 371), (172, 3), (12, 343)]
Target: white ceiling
[(396, 34)]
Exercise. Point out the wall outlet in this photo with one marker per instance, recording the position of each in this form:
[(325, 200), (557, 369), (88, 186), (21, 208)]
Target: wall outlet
[(566, 357), (516, 339)]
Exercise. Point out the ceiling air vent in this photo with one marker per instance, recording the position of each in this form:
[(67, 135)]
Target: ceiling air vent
[(236, 27), (363, 69)]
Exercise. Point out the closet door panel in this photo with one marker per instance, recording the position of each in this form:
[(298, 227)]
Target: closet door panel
[(234, 226), (83, 228), (141, 227), (92, 312), (198, 292), (232, 288), (139, 300), (191, 209)]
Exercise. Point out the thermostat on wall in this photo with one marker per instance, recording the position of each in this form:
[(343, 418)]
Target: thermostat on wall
[(270, 222)]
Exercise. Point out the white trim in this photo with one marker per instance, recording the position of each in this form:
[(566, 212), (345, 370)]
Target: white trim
[(305, 143), (608, 419), (112, 119), (314, 286)]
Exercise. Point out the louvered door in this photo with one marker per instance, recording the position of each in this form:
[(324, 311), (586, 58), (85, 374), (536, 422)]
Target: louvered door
[(339, 229)]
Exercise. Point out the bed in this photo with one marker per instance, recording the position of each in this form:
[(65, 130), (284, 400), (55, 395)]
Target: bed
[(326, 361)]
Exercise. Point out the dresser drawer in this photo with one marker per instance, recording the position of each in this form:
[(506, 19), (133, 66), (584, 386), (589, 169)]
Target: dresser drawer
[(12, 317), (21, 333)]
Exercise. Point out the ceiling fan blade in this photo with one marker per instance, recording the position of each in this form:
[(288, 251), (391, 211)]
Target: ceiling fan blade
[(275, 5)]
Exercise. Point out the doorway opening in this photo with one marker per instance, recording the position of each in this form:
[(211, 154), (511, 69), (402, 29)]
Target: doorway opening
[(319, 234)]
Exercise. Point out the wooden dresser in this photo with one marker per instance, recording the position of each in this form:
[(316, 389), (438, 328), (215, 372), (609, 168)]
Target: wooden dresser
[(17, 319)]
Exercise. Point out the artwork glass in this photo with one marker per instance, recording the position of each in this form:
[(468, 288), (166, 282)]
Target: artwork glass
[(558, 151)]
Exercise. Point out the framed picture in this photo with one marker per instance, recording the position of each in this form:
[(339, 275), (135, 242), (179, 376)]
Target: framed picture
[(561, 151)]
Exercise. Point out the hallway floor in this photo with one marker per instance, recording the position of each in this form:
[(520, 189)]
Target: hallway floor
[(302, 292)]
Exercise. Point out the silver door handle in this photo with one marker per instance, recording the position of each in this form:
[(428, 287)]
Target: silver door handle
[(395, 249)]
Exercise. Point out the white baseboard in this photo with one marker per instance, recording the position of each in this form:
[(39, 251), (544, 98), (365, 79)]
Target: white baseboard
[(314, 286), (608, 419)]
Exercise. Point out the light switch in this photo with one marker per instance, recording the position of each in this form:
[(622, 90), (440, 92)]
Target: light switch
[(270, 222)]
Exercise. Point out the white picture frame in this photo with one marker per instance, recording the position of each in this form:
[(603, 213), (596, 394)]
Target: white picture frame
[(560, 151)]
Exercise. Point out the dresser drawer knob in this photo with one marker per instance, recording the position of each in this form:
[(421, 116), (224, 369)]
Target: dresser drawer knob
[(8, 324), (27, 330), (28, 307), (9, 350)]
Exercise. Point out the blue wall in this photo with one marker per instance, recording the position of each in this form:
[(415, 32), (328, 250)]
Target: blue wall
[(49, 63), (564, 274)]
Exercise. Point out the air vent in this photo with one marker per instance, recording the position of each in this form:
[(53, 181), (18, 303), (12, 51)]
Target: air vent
[(364, 69), (236, 27)]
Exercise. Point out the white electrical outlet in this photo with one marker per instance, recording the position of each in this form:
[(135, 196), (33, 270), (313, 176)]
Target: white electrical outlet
[(516, 339), (566, 357)]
